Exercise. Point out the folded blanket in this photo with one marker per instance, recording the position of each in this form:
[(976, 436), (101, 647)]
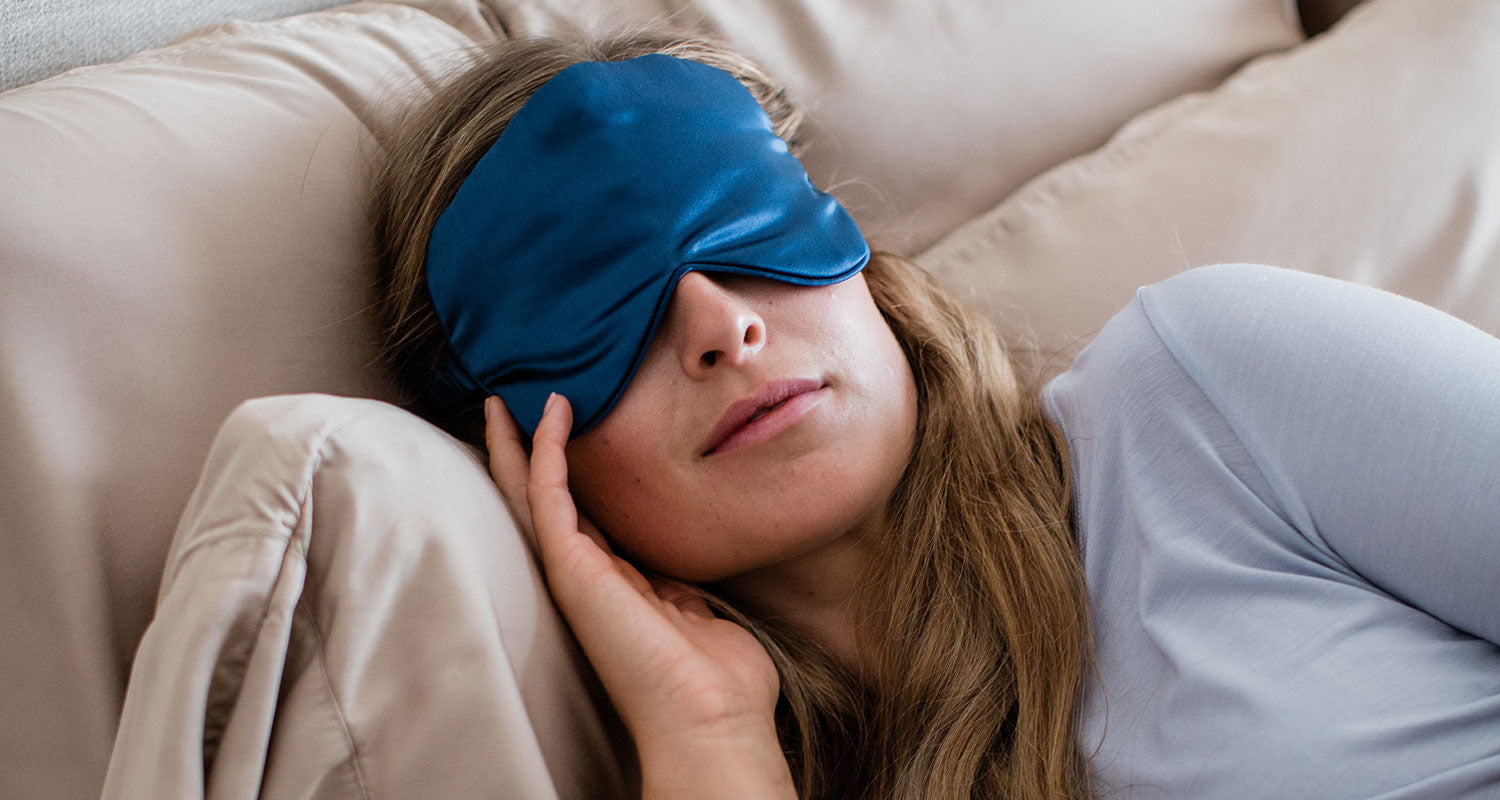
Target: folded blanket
[(349, 611)]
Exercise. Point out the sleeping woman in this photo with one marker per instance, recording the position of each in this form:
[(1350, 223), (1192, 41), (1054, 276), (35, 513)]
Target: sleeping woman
[(819, 540)]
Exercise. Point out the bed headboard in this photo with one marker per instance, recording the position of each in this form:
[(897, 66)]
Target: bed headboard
[(45, 37)]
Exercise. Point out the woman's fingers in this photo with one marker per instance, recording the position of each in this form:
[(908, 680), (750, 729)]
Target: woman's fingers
[(678, 594), (589, 529), (553, 513), (536, 489), (634, 577), (510, 467), (667, 663), (595, 588), (556, 515)]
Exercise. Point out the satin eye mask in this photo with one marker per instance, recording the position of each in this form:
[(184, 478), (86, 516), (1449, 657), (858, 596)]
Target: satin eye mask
[(553, 265)]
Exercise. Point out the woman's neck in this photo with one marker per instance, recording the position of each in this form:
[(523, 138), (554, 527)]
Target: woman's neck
[(818, 591)]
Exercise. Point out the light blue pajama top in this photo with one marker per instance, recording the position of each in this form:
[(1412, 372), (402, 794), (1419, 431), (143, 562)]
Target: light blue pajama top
[(1288, 501)]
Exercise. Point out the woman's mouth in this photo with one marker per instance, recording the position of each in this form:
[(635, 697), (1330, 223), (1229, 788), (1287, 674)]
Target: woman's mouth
[(773, 408)]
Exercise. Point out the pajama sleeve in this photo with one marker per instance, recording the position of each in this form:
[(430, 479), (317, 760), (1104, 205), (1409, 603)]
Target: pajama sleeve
[(1374, 420)]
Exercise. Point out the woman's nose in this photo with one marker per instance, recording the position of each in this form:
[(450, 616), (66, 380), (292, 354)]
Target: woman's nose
[(716, 325)]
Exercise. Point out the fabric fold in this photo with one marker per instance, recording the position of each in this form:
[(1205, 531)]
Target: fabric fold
[(349, 611)]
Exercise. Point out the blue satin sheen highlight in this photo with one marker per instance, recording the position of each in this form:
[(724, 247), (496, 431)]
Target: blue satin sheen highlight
[(554, 263)]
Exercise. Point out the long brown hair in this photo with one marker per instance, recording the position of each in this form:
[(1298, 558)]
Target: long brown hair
[(980, 591)]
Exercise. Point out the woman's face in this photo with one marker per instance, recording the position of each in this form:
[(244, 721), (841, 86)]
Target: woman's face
[(698, 474)]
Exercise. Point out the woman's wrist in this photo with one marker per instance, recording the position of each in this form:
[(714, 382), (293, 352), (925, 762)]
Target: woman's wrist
[(748, 765)]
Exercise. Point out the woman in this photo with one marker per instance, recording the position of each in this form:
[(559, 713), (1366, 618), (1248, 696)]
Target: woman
[(842, 460)]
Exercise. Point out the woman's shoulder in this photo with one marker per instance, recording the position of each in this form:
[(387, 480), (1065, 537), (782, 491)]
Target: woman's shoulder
[(1234, 310), (1228, 308), (1181, 331), (1185, 350)]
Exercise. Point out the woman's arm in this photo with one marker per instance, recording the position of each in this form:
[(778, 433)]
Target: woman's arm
[(1375, 419), (713, 768), (697, 693)]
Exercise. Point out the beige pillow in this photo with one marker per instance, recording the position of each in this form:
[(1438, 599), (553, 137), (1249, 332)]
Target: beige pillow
[(924, 114), (347, 578), (1370, 154), (178, 232)]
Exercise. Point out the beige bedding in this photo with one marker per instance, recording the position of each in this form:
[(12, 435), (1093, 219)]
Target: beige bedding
[(1371, 154), (344, 609), (184, 230), (348, 611)]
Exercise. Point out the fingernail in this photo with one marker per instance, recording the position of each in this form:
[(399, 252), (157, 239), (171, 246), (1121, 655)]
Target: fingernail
[(489, 408), (551, 401)]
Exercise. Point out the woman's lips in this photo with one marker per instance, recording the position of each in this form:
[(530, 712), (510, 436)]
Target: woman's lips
[(773, 408)]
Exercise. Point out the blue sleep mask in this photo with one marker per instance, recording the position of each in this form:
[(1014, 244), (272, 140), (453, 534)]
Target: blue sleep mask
[(554, 264)]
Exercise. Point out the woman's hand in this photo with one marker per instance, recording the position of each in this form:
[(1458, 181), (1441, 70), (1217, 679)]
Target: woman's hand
[(697, 693)]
